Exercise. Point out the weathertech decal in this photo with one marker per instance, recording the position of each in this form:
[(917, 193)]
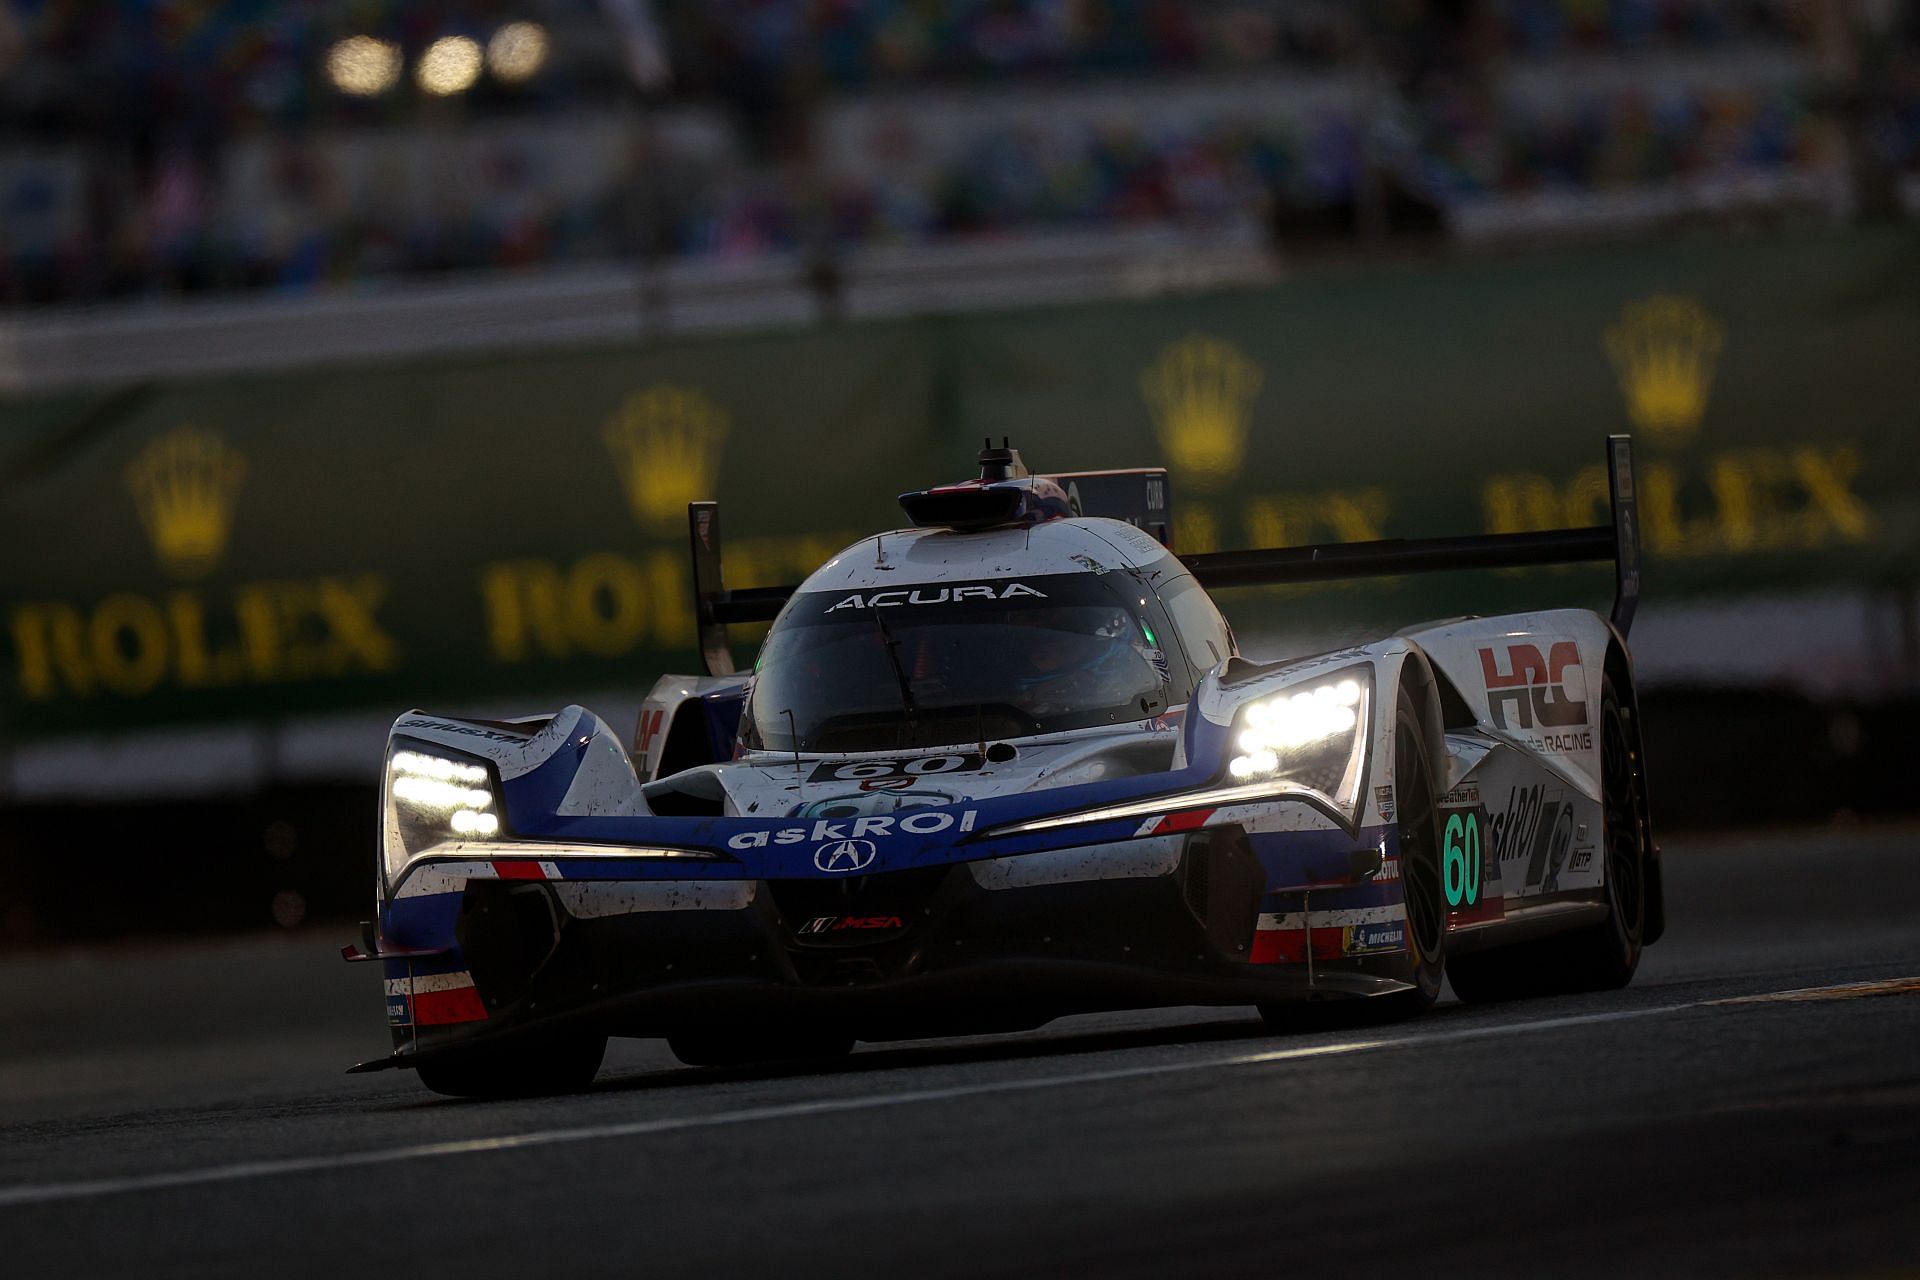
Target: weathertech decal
[(1532, 688)]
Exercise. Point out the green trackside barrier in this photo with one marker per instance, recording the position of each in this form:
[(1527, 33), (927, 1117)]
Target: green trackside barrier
[(471, 529)]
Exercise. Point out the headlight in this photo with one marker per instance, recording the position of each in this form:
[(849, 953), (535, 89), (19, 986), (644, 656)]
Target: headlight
[(434, 800), (1311, 737)]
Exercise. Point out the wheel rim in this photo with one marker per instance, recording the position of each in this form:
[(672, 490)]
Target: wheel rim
[(1619, 779), (1419, 857)]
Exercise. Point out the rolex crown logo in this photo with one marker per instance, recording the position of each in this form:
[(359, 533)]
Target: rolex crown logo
[(1201, 391), (1664, 350), (666, 443), (184, 484)]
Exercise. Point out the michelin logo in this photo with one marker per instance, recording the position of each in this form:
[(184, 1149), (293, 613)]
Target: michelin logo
[(1359, 939), (926, 822)]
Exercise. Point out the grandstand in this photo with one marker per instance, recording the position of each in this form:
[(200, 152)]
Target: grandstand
[(171, 148)]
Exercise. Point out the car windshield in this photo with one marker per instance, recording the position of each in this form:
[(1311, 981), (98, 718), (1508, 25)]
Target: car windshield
[(933, 665)]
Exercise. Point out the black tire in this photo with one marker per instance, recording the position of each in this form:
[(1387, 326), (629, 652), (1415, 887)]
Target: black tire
[(564, 1065), (1420, 874), (1421, 882), (1603, 956), (740, 1049)]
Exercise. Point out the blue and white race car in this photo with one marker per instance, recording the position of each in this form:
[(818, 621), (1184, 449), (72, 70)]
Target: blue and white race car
[(1009, 765)]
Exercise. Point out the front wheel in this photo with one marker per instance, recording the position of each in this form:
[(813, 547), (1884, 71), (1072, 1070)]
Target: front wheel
[(1420, 878), (1420, 871), (563, 1065)]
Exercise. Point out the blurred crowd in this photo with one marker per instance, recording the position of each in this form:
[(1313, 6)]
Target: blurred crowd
[(160, 146)]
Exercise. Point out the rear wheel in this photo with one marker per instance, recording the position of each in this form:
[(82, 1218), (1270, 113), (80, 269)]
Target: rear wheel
[(1606, 955), (737, 1048), (1598, 957), (562, 1065)]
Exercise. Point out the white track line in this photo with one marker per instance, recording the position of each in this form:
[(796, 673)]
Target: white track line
[(50, 1192)]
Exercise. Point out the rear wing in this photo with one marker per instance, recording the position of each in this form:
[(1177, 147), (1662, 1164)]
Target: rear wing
[(1618, 541), (1143, 497)]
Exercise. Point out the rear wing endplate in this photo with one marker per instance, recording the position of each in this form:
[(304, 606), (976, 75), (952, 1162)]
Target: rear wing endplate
[(716, 607)]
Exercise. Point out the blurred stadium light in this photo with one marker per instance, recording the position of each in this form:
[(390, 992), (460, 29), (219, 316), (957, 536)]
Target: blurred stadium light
[(149, 151), (363, 66), (450, 65), (517, 51)]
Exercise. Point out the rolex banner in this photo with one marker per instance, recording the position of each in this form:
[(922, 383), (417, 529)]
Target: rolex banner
[(486, 529)]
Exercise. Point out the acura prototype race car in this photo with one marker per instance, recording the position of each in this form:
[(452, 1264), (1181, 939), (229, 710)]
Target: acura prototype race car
[(1009, 765)]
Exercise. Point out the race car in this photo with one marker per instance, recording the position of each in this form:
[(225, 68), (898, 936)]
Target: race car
[(1008, 765)]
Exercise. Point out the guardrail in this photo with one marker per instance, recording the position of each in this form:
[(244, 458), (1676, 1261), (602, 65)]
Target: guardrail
[(613, 301)]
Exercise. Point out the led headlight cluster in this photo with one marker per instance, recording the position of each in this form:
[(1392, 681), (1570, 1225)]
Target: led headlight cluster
[(436, 785), (1310, 737), (434, 800)]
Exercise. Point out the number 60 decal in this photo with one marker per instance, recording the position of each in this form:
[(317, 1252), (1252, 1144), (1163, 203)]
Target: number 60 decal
[(1460, 847), (917, 767)]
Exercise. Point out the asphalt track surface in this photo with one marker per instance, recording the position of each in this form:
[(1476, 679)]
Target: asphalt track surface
[(182, 1111)]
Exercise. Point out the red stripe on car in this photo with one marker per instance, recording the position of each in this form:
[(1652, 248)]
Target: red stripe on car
[(1185, 820), (436, 1008), (519, 870), (1288, 946)]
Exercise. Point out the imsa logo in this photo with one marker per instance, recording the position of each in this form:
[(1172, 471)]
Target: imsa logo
[(1532, 691)]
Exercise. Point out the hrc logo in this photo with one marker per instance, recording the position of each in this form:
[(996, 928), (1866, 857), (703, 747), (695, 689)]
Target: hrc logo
[(1533, 688)]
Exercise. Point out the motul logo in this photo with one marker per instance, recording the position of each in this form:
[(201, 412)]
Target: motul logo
[(1533, 688)]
